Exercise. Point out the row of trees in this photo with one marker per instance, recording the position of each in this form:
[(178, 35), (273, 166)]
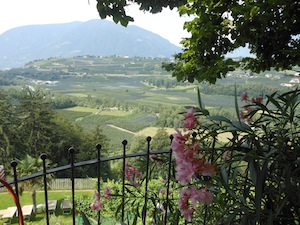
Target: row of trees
[(30, 126), (255, 89), (161, 82), (32, 73)]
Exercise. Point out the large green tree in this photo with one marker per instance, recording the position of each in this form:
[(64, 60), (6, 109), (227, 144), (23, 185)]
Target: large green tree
[(36, 124), (8, 135), (270, 28)]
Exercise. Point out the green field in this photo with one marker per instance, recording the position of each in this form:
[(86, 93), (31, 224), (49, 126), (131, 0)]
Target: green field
[(115, 91)]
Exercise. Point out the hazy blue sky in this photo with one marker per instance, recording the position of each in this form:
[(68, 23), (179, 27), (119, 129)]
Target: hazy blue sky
[(15, 13)]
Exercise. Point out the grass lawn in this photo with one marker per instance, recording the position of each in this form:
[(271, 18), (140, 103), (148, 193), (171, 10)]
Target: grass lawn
[(151, 131), (25, 199)]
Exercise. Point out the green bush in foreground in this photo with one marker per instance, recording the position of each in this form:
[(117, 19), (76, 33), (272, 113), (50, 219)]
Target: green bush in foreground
[(253, 178)]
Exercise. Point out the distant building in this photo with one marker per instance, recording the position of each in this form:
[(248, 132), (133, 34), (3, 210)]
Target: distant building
[(287, 84), (295, 80)]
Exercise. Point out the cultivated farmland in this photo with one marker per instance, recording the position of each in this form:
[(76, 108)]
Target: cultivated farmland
[(124, 96)]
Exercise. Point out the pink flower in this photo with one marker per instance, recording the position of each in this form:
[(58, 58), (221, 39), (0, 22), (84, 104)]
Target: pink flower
[(138, 175), (204, 196), (184, 171), (248, 120), (97, 196), (178, 142), (257, 99), (193, 192), (190, 113), (132, 174), (107, 192), (96, 206), (188, 199), (183, 204), (248, 109), (190, 120), (242, 114), (187, 213), (244, 96)]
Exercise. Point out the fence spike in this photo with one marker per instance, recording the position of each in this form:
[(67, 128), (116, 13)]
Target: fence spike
[(72, 153), (123, 179), (43, 157), (98, 147), (14, 166)]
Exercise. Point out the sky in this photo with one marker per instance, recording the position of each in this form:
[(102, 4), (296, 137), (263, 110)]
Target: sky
[(16, 13)]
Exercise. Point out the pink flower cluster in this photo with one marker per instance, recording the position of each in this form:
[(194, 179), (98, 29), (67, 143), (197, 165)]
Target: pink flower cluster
[(245, 98), (189, 197), (107, 192), (132, 174), (190, 120), (97, 204), (247, 109), (189, 164)]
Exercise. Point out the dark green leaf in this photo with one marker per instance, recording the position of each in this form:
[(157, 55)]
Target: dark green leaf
[(85, 219), (219, 118)]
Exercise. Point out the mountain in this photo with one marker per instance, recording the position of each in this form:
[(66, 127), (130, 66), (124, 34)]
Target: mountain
[(95, 37)]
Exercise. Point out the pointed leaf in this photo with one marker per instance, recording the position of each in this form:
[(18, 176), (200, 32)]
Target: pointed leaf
[(201, 106), (253, 171), (237, 110), (85, 219), (219, 118)]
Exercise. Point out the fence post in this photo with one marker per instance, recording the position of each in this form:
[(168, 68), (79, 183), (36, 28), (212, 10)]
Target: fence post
[(98, 147), (168, 181), (123, 178), (71, 152), (147, 179), (43, 157), (14, 166)]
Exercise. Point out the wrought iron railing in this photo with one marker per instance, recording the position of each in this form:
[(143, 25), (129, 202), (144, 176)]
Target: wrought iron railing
[(98, 161)]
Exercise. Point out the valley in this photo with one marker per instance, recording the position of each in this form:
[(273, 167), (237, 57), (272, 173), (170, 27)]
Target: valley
[(126, 95)]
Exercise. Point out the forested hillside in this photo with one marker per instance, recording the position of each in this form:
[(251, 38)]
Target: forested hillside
[(94, 37)]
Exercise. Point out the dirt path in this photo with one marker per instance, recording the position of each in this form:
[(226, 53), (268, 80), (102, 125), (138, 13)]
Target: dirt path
[(122, 129)]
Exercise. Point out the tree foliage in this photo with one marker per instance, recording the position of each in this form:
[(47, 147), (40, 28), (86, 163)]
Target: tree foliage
[(30, 126), (36, 122), (116, 9), (269, 28), (30, 165)]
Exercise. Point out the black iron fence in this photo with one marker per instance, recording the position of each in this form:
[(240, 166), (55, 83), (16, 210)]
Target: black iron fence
[(96, 162)]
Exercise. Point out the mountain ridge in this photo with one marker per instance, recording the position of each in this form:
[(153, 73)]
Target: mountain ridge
[(21, 45)]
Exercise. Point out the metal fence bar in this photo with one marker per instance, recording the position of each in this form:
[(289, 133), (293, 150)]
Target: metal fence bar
[(147, 180), (98, 147), (43, 157), (72, 166), (81, 164), (72, 152), (211, 160), (14, 166), (168, 184), (123, 180)]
